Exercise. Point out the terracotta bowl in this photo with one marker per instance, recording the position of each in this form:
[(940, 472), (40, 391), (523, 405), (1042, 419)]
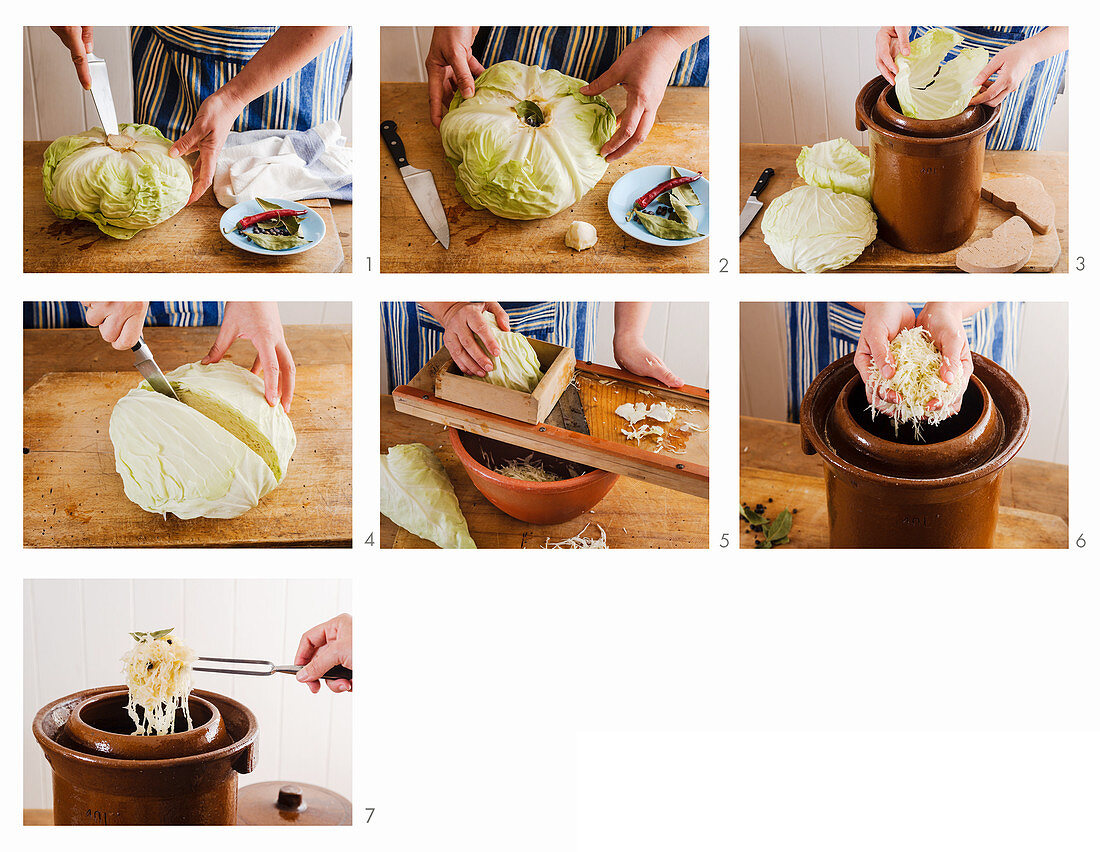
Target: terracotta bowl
[(533, 502)]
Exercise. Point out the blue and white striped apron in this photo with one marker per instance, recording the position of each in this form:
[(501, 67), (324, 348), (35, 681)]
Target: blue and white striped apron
[(1024, 112), (584, 52), (820, 332), (413, 336), (176, 68), (71, 314)]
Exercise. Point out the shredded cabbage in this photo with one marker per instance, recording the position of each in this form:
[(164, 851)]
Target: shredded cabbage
[(917, 380), (528, 469), (158, 678), (517, 367), (579, 542)]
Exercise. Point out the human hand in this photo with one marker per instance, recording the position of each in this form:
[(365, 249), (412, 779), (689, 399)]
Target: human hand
[(643, 69), (207, 135), (881, 323), (889, 43), (944, 322), (463, 328), (322, 647), (632, 354), (1011, 66), (79, 42), (451, 68), (119, 323), (259, 322)]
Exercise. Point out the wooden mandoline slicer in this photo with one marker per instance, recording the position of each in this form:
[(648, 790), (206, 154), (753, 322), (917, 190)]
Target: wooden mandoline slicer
[(571, 415)]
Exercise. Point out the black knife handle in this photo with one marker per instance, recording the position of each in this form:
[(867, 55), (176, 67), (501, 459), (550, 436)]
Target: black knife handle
[(765, 176), (393, 141), (337, 673)]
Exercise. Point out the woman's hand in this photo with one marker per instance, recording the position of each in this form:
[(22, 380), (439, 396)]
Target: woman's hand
[(259, 323), (79, 42), (1011, 66), (451, 68), (323, 647), (643, 69), (207, 135), (889, 43), (119, 323), (944, 322), (635, 357), (881, 323), (463, 328)]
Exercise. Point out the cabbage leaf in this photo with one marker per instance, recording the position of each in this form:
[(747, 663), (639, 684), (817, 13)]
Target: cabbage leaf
[(928, 90), (837, 165), (418, 496), (517, 367)]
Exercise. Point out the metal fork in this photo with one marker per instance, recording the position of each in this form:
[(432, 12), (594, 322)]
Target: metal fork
[(269, 668)]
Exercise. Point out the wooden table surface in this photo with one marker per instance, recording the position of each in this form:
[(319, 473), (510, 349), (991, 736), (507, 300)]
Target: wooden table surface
[(1034, 494), (634, 514), (188, 242), (482, 242), (72, 495), (1052, 168), (37, 816)]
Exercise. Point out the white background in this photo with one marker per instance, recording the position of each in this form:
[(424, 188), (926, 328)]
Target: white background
[(634, 701)]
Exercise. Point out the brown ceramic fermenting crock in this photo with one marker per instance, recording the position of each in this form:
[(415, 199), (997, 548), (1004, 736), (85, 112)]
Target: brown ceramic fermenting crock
[(892, 490), (926, 176), (104, 775), (532, 502)]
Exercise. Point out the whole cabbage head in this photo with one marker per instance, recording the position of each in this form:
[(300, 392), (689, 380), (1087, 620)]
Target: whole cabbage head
[(122, 183), (214, 453), (810, 229), (837, 165), (928, 90), (527, 144)]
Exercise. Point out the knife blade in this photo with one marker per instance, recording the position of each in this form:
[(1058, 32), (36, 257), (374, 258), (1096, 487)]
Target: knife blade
[(421, 186), (101, 94), (753, 204), (144, 363), (569, 412)]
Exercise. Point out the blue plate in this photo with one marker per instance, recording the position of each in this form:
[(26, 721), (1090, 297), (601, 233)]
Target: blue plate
[(311, 228), (637, 183)]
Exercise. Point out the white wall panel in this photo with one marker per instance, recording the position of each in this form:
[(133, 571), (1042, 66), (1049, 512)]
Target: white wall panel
[(315, 313), (75, 634)]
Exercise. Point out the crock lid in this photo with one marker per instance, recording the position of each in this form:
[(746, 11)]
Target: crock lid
[(291, 803), (877, 109)]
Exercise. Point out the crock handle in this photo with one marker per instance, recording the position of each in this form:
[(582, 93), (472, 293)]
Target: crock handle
[(807, 447), (860, 126), (245, 761)]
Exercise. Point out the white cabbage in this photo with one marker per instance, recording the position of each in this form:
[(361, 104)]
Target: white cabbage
[(215, 454), (527, 144), (837, 165), (418, 496), (122, 183), (928, 90), (810, 229), (517, 367)]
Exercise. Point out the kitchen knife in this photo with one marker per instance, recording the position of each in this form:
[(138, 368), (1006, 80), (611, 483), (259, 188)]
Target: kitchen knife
[(420, 184), (101, 94), (753, 205), (143, 361)]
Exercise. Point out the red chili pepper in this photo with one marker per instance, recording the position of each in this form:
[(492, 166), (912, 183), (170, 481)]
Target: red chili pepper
[(267, 214), (647, 199)]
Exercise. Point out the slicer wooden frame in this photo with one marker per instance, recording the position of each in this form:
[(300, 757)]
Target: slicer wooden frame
[(419, 399), (557, 363)]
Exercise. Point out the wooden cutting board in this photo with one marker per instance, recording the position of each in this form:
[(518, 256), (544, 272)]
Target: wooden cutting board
[(72, 496), (482, 242), (634, 514), (190, 241), (1015, 527), (880, 256)]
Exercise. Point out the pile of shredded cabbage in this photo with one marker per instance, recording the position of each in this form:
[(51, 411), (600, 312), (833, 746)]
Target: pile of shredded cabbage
[(528, 469), (916, 380), (158, 677)]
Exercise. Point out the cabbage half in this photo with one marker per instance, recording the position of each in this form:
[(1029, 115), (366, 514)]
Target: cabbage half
[(810, 229), (123, 183), (418, 496), (517, 367), (837, 165), (928, 90), (527, 144), (213, 454)]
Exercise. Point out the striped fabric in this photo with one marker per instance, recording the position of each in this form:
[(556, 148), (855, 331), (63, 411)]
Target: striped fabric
[(176, 68), (1024, 112), (584, 52), (820, 332), (71, 314), (413, 336)]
